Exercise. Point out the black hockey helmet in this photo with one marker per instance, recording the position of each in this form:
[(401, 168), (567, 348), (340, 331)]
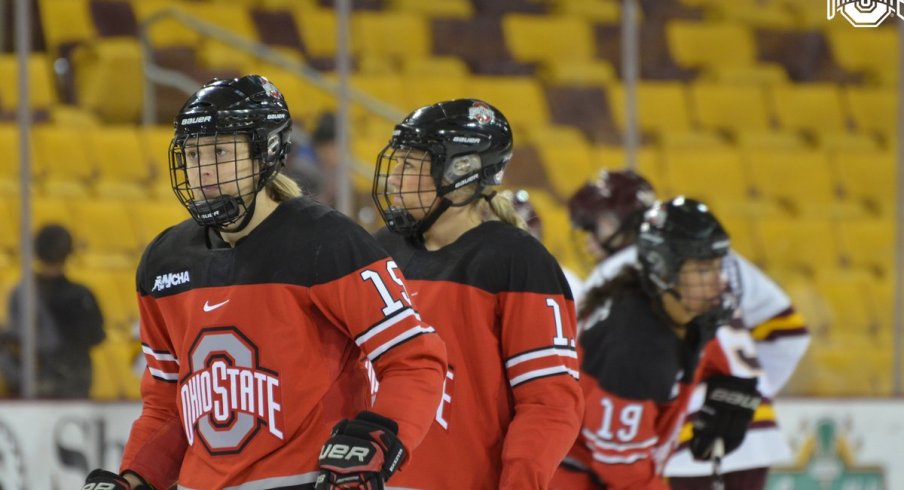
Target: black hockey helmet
[(250, 106), (468, 141), (674, 231)]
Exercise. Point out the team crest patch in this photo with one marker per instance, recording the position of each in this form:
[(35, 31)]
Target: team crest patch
[(481, 113), (271, 89)]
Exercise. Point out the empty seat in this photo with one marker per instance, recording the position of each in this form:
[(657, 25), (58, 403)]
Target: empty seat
[(318, 31), (769, 140), (61, 161), (814, 107), (864, 50), (41, 92), (869, 243), (541, 38), (850, 309), (167, 32), (801, 181), (422, 90), (660, 106), (693, 172), (105, 230), (65, 22), (109, 80), (446, 8), (602, 11), (873, 109), (729, 107), (151, 217), (520, 98), (594, 73), (704, 44), (869, 178), (122, 168), (390, 34), (9, 164), (807, 244), (693, 139)]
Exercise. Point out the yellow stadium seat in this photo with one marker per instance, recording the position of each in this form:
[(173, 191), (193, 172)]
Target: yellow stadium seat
[(41, 92), (869, 243), (423, 90), (577, 73), (868, 177), (50, 210), (118, 305), (435, 66), (661, 106), (801, 181), (66, 22), (169, 32), (155, 143), (236, 20), (9, 227), (769, 140), (61, 161), (693, 139), (615, 158), (110, 66), (814, 106), (317, 28), (105, 230), (602, 11), (306, 101), (556, 224), (763, 74), (567, 166), (151, 217), (754, 13), (390, 34), (116, 152), (9, 277), (384, 88), (533, 38), (873, 109), (808, 244), (521, 99), (703, 44), (729, 107), (9, 164), (848, 303), (743, 238), (446, 8), (833, 141), (864, 50)]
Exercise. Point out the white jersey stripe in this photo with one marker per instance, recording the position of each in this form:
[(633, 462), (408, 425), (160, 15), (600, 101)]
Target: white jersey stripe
[(631, 458), (385, 324), (275, 482), (539, 373), (398, 339), (160, 356), (604, 444), (163, 375), (551, 351)]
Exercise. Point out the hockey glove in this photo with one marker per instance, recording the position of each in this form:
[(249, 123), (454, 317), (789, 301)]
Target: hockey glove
[(726, 413), (361, 454), (106, 480)]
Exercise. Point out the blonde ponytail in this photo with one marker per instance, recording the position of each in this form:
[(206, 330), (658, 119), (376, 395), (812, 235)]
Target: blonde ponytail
[(500, 206), (282, 188)]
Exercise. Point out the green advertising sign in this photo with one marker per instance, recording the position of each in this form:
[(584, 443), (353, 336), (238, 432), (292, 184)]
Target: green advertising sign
[(825, 463)]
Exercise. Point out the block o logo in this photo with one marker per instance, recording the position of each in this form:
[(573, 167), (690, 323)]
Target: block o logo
[(864, 13)]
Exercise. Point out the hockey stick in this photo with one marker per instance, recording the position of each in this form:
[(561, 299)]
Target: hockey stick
[(718, 453)]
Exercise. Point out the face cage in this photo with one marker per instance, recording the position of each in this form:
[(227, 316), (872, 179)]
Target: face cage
[(218, 201), (728, 301), (394, 204)]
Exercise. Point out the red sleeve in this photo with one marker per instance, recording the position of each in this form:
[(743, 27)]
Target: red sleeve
[(373, 307), (538, 332), (623, 439), (156, 444)]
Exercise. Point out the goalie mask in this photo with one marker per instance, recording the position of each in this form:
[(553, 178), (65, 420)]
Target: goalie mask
[(231, 138), (433, 154)]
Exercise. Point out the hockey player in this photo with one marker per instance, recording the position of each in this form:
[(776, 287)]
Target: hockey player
[(779, 332), (512, 404), (255, 315), (646, 330)]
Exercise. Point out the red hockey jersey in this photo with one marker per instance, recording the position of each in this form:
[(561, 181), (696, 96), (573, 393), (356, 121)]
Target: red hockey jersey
[(256, 349), (511, 403)]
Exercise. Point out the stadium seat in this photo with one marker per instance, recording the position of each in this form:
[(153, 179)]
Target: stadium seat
[(752, 13), (9, 277), (423, 90), (306, 101), (704, 44), (598, 11), (845, 141), (567, 166), (743, 237), (521, 99), (65, 22), (50, 210), (761, 74), (9, 164), (849, 306), (814, 107), (61, 161), (446, 8), (151, 217), (661, 106), (868, 51), (165, 33), (593, 73), (383, 88), (769, 140), (109, 80), (868, 178), (873, 109), (692, 173), (105, 230), (790, 244), (389, 34), (542, 38), (615, 158), (118, 305), (116, 152), (869, 244), (800, 181), (729, 107), (435, 66), (41, 92), (9, 227), (694, 139)]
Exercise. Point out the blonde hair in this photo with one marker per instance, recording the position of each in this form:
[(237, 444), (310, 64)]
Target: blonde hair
[(500, 207), (282, 188)]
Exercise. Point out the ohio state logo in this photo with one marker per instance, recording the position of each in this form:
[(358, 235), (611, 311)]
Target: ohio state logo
[(228, 396), (481, 112)]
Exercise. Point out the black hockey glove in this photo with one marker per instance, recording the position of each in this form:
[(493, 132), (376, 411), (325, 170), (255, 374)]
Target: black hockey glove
[(361, 454), (726, 414), (106, 480)]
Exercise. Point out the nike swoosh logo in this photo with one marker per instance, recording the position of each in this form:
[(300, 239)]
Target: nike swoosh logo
[(208, 308)]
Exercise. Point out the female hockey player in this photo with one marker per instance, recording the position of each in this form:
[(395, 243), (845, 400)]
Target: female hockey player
[(646, 330), (511, 403), (255, 317), (780, 334)]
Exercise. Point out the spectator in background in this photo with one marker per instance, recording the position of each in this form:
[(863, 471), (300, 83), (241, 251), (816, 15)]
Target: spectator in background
[(69, 322), (313, 164)]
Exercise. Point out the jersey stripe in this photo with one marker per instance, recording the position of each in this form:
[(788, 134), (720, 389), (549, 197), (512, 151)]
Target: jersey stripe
[(385, 324), (159, 355), (162, 375), (542, 352), (605, 444), (780, 326), (541, 373), (398, 339)]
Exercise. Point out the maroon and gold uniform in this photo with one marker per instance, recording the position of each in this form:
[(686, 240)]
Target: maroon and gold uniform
[(256, 349), (512, 404)]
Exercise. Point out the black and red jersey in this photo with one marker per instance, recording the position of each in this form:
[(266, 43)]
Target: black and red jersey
[(511, 404), (256, 349), (637, 377)]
